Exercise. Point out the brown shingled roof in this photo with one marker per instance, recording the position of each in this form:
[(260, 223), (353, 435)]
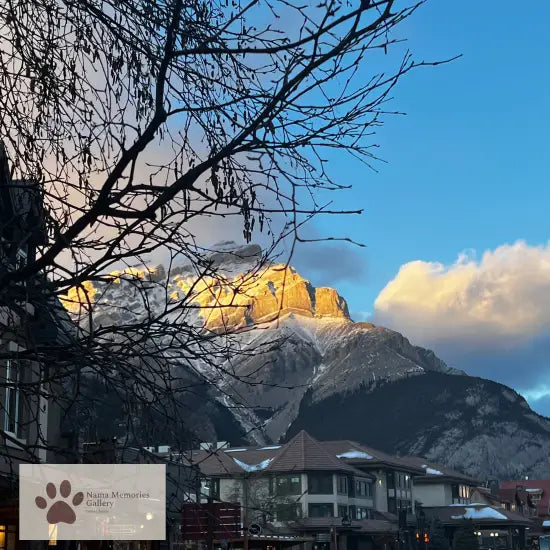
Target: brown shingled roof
[(378, 457), (304, 453), (445, 473)]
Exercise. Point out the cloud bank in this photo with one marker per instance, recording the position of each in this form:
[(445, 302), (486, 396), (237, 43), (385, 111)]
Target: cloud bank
[(489, 316)]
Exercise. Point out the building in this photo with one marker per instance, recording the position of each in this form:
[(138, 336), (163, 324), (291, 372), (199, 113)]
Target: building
[(441, 486), (318, 495), (393, 475), (518, 499), (538, 491), (30, 424), (494, 528)]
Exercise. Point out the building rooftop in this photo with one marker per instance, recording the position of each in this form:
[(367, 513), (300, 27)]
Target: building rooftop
[(365, 456), (302, 453), (479, 514), (434, 472)]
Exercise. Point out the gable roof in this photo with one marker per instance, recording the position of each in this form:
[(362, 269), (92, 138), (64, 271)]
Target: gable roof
[(304, 453)]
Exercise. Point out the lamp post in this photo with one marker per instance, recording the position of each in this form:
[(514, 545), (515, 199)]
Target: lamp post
[(245, 511)]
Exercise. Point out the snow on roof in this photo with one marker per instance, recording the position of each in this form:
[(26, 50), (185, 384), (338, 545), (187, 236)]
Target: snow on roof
[(534, 490), (480, 513), (253, 467), (270, 448), (355, 454), (234, 450), (432, 471), (546, 523)]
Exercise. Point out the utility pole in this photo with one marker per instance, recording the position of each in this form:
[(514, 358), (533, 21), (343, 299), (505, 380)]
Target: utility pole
[(197, 469), (245, 512)]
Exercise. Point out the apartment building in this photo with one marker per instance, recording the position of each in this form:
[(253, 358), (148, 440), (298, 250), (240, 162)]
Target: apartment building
[(283, 483), (325, 492)]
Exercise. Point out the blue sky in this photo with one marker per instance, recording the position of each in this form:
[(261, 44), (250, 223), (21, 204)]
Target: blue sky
[(467, 170)]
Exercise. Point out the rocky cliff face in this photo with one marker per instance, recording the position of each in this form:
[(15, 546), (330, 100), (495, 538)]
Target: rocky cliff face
[(305, 363), (273, 292), (244, 293), (467, 423)]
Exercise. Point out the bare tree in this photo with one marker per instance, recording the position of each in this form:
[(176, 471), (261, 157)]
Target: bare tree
[(130, 127)]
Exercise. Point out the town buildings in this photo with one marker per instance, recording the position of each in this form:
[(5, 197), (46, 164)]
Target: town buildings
[(341, 495)]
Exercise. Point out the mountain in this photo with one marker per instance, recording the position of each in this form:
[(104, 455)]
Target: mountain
[(304, 363), (467, 423)]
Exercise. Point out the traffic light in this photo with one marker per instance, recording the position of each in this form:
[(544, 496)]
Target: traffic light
[(417, 536), (426, 538)]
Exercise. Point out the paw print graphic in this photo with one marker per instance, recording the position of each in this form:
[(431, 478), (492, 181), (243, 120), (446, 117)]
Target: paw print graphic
[(60, 511)]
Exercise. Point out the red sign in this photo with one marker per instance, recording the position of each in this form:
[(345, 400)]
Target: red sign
[(218, 520)]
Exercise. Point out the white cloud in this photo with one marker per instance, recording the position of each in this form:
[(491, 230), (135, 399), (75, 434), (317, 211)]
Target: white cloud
[(502, 300)]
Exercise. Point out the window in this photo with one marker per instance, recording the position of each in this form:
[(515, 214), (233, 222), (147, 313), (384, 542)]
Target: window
[(392, 506), (361, 512), (342, 485), (210, 488), (390, 476), (363, 488), (461, 494), (13, 405), (321, 510), (288, 512), (403, 481), (342, 511), (288, 485), (8, 542), (320, 484)]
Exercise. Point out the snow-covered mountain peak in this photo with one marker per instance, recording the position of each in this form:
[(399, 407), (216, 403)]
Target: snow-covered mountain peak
[(237, 287)]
